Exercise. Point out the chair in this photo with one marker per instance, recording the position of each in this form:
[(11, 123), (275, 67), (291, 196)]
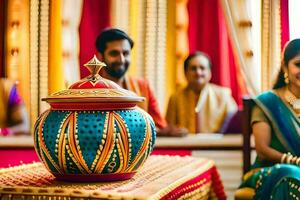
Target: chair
[(247, 130), (246, 193), (235, 124)]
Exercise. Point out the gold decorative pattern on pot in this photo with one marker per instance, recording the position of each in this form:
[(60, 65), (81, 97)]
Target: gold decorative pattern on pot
[(61, 143), (123, 143), (75, 147), (99, 151), (86, 92), (108, 145)]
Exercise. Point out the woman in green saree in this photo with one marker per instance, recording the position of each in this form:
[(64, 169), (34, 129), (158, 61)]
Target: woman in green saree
[(275, 122)]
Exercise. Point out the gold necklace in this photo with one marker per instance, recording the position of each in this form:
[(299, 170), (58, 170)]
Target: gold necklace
[(292, 100)]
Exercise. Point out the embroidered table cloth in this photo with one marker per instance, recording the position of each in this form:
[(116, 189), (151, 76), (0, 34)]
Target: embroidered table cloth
[(161, 177)]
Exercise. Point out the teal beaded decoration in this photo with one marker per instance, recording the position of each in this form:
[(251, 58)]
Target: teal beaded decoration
[(94, 143)]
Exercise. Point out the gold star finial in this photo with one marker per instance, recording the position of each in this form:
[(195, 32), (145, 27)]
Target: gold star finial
[(94, 66)]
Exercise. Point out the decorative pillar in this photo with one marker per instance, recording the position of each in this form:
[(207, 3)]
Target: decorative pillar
[(3, 16), (181, 46), (43, 52), (16, 60), (71, 16), (34, 60), (120, 16), (271, 42)]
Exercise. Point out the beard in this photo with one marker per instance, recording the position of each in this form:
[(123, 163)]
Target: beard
[(115, 71)]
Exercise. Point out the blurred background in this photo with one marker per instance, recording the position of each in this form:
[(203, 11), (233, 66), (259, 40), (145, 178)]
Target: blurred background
[(44, 43)]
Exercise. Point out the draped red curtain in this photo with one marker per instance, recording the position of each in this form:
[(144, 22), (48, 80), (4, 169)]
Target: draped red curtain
[(95, 17), (207, 32), (284, 20)]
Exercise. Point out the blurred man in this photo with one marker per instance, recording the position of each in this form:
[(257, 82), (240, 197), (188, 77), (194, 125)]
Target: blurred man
[(114, 48), (200, 106)]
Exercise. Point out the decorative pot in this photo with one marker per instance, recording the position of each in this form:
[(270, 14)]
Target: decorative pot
[(94, 131)]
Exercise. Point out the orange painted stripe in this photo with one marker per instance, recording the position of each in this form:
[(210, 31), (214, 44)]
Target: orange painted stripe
[(61, 145), (73, 147), (123, 141)]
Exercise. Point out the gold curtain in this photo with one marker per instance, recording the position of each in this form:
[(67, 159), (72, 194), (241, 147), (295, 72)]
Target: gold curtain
[(171, 66), (39, 27), (238, 17), (181, 44), (120, 14), (34, 61), (56, 77), (71, 16), (17, 46), (271, 40)]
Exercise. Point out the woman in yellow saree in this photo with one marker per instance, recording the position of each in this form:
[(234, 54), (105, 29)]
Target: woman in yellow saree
[(275, 121)]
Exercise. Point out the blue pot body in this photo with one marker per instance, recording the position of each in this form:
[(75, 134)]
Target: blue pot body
[(89, 143)]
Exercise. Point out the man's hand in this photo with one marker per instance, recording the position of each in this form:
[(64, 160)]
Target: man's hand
[(172, 131)]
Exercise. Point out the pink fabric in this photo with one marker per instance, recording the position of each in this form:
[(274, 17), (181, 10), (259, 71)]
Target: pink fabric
[(172, 152), (94, 177), (207, 32), (14, 97), (14, 157), (95, 17), (284, 20), (5, 131)]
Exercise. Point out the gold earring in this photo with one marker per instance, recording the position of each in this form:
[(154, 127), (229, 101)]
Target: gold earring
[(286, 78)]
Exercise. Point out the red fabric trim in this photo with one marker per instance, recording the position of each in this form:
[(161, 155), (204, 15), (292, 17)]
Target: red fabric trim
[(217, 184), (284, 22), (14, 157), (95, 17), (187, 187), (91, 106), (172, 152)]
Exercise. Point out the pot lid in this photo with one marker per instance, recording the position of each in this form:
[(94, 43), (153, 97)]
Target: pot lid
[(94, 89)]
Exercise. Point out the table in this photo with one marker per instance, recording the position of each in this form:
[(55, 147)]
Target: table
[(191, 141), (22, 146), (161, 177), (201, 141)]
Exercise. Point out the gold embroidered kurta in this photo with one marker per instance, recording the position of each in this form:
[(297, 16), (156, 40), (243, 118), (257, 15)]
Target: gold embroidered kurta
[(214, 105)]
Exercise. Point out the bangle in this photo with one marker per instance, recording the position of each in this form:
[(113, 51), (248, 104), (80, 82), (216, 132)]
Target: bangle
[(283, 157), (293, 161), (298, 161), (5, 131), (289, 159)]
